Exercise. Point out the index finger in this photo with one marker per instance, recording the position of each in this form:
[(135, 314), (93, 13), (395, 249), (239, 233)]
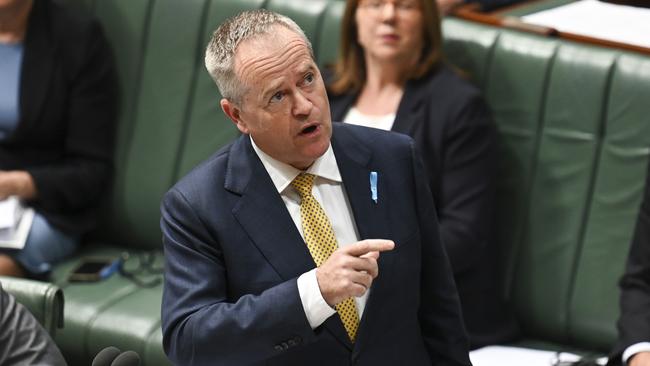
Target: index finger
[(369, 245)]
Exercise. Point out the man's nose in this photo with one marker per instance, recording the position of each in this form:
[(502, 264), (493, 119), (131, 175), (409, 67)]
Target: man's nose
[(302, 105)]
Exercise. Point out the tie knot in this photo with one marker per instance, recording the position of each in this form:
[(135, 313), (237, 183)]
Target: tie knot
[(303, 183)]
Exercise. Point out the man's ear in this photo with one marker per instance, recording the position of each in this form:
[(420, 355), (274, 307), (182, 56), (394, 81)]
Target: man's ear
[(234, 113)]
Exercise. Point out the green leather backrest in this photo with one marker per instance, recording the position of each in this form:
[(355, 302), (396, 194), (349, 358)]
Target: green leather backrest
[(330, 34), (514, 88), (573, 125), (618, 187), (207, 127), (470, 47), (561, 186), (157, 45)]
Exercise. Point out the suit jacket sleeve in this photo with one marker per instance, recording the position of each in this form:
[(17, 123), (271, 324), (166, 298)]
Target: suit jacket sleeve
[(202, 324), (634, 321), (442, 325), (465, 183)]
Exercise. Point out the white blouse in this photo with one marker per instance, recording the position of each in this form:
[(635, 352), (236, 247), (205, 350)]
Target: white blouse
[(383, 122)]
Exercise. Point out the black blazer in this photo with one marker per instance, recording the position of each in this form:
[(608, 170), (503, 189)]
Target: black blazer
[(233, 254), (634, 320), (451, 126), (68, 97)]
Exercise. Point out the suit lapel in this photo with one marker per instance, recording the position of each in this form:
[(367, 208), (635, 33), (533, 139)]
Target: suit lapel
[(354, 162), (372, 219), (38, 62), (263, 215)]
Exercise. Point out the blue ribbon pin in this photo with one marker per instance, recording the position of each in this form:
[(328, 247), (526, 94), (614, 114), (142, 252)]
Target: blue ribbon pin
[(373, 186)]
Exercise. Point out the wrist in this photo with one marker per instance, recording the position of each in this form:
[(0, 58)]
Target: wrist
[(639, 359), (323, 292), (23, 184)]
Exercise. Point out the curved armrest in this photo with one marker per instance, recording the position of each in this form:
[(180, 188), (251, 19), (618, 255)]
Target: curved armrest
[(43, 299)]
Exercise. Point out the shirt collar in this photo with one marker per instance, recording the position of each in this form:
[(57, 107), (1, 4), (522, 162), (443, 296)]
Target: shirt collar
[(283, 174)]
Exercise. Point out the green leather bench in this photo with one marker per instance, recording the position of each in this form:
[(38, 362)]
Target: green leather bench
[(574, 135)]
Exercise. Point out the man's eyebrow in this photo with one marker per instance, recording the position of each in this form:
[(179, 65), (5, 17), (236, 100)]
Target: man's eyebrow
[(271, 88), (307, 67)]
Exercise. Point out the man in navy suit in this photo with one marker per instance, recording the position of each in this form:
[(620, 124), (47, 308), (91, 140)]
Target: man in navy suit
[(247, 282)]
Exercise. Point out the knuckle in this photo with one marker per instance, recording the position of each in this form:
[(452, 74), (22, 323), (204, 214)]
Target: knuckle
[(359, 290), (346, 261), (369, 278)]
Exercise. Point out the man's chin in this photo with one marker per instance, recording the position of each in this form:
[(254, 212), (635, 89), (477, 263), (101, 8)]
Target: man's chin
[(309, 156)]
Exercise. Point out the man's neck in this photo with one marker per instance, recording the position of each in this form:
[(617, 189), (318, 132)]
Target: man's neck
[(13, 21)]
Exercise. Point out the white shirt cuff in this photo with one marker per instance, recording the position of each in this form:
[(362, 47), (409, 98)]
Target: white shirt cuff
[(316, 309), (634, 349)]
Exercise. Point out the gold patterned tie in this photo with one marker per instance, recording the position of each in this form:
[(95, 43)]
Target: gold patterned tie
[(321, 242)]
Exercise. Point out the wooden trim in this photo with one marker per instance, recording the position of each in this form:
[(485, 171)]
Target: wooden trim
[(471, 12), (604, 43)]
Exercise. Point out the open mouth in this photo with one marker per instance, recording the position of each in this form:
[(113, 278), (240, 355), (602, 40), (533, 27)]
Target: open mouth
[(309, 129)]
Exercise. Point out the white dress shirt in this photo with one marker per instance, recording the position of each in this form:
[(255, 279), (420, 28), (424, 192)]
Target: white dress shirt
[(329, 192)]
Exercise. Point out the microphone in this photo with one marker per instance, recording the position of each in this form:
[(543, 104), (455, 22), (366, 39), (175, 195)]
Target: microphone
[(106, 356), (128, 358)]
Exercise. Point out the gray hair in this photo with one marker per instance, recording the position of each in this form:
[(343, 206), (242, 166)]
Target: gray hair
[(220, 53)]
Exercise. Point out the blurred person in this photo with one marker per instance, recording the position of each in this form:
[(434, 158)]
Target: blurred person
[(390, 75), (57, 113)]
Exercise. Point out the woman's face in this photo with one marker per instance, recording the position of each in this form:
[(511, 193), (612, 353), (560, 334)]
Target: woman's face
[(390, 30)]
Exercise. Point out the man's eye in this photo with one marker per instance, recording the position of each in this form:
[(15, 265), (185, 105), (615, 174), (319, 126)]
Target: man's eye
[(309, 78), (277, 97)]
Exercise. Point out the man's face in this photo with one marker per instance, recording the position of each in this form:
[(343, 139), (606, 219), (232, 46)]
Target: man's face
[(284, 107)]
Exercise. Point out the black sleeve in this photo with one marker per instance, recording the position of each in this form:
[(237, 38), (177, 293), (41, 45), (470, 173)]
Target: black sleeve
[(466, 191), (75, 182)]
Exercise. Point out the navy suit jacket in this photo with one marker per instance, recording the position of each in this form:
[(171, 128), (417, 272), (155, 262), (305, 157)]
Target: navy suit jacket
[(233, 255)]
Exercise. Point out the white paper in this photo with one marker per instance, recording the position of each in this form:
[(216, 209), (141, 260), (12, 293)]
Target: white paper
[(516, 356), (593, 18), (14, 235), (10, 211)]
